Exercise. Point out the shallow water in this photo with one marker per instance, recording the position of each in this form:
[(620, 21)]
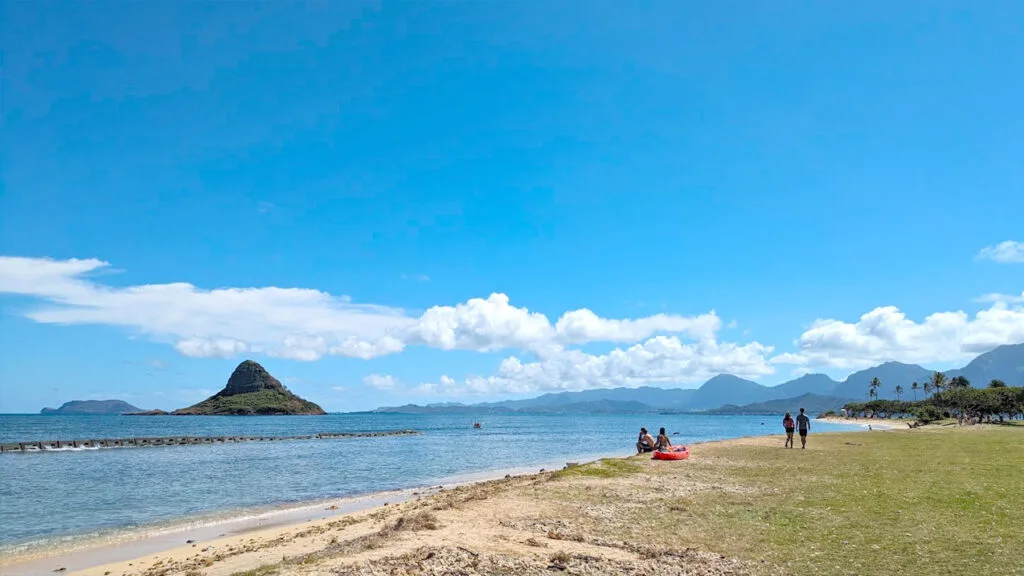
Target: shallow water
[(60, 495)]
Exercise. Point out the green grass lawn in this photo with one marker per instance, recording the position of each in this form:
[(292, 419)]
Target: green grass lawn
[(928, 501)]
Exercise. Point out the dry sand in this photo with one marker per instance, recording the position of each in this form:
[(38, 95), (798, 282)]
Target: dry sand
[(874, 423), (527, 524)]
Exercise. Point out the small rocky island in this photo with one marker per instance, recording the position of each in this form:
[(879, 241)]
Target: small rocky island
[(251, 390), (92, 407)]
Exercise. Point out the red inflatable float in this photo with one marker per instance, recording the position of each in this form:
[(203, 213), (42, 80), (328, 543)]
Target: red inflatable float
[(672, 453)]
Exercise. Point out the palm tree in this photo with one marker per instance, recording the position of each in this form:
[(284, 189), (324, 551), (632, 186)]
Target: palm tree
[(873, 388), (959, 382), (899, 392), (928, 389), (938, 381), (914, 386)]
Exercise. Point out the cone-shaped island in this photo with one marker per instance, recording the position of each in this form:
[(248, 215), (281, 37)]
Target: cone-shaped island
[(251, 390)]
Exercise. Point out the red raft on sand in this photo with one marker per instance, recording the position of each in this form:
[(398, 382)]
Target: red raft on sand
[(672, 453)]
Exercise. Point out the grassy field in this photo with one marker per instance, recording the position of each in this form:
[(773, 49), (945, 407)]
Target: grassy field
[(928, 501)]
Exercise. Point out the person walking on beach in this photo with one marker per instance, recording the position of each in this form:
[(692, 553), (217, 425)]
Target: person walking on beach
[(804, 424), (790, 427)]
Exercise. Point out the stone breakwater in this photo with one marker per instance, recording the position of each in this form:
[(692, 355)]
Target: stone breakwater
[(90, 444)]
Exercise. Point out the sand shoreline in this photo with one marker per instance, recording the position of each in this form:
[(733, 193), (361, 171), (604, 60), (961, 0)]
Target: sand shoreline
[(140, 548), (94, 550), (873, 423)]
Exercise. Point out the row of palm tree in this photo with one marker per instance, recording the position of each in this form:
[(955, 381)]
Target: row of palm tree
[(957, 400), (936, 383)]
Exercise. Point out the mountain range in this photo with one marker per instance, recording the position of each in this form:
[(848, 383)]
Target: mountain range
[(729, 393)]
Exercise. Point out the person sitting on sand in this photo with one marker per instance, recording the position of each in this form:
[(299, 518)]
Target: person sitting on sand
[(663, 443), (790, 425), (645, 443)]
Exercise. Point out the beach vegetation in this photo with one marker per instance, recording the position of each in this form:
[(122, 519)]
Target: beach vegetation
[(605, 468), (960, 401), (422, 520), (268, 570)]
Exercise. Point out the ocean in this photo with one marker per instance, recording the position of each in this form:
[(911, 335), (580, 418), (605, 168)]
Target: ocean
[(57, 497)]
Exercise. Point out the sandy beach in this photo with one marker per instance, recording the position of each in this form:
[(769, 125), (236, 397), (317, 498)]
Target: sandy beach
[(135, 547), (874, 423), (731, 509), (502, 524)]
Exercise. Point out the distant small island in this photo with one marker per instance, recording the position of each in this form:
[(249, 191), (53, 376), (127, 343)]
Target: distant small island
[(251, 390), (92, 407)]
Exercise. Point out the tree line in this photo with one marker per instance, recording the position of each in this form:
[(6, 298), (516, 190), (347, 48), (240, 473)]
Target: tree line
[(945, 397)]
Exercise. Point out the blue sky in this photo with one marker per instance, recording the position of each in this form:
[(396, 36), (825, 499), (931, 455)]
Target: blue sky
[(725, 188)]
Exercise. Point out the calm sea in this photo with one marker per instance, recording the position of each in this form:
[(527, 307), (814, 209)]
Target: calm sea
[(62, 495)]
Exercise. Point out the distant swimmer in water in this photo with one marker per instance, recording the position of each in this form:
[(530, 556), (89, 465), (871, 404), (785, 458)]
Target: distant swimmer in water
[(645, 443), (662, 443)]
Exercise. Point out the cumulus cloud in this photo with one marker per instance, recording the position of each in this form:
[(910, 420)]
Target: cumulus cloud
[(584, 326), (381, 381), (1006, 298), (1006, 252), (659, 360), (306, 325), (482, 324), (886, 333)]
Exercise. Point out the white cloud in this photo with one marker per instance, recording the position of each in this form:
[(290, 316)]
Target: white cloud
[(584, 326), (1006, 298), (494, 324), (295, 323), (381, 381), (339, 388), (482, 324), (1006, 252), (886, 334), (211, 347), (303, 324), (789, 358), (661, 359), (307, 325)]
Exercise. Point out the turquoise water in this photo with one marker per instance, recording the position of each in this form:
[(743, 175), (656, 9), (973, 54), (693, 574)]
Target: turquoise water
[(60, 495)]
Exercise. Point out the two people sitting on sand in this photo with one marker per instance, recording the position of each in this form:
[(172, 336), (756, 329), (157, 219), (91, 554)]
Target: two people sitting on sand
[(803, 422), (648, 444)]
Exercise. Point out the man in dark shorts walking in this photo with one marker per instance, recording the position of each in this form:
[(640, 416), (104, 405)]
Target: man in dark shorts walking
[(803, 425)]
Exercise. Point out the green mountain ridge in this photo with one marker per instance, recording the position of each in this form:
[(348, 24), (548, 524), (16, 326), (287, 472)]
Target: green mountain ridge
[(812, 403)]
